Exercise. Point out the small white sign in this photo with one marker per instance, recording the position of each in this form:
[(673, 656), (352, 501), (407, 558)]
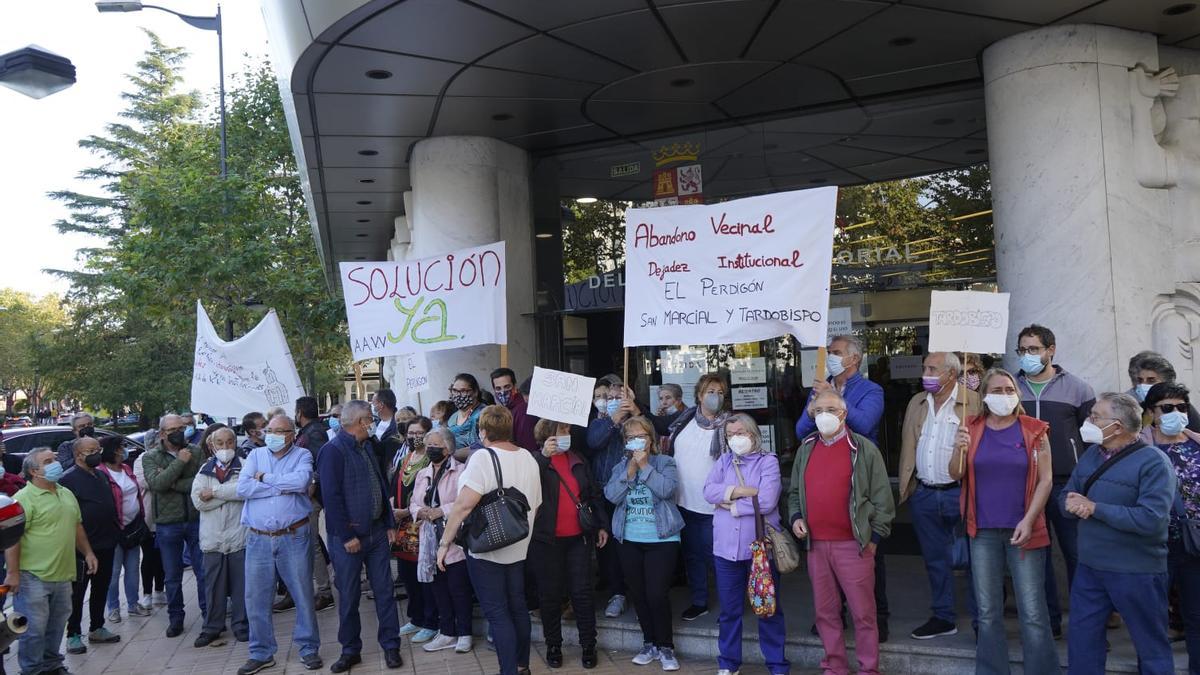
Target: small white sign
[(906, 367), (751, 370), (684, 367), (416, 373), (968, 321), (559, 396), (768, 437), (839, 321), (749, 398)]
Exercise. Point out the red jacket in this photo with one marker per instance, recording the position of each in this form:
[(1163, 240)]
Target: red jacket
[(116, 491), (1034, 433)]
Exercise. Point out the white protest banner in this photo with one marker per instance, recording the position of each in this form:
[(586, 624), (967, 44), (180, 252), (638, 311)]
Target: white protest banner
[(968, 321), (739, 271), (251, 374), (411, 306), (416, 373), (559, 396)]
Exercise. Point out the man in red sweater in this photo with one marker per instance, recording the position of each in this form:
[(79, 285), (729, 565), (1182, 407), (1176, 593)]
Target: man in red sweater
[(504, 387)]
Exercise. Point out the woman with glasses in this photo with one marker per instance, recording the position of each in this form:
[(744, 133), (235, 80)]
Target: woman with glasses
[(464, 421), (1002, 458), (1168, 403), (647, 523), (422, 607)]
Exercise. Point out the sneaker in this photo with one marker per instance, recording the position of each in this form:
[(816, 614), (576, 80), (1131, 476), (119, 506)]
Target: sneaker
[(439, 643), (649, 654), (102, 636), (283, 604), (323, 603), (208, 640), (423, 635), (726, 671), (464, 644), (410, 628), (114, 616), (933, 628), (312, 661), (616, 606), (370, 594), (667, 656), (160, 598), (254, 665), (694, 612), (146, 602), (75, 645), (138, 610)]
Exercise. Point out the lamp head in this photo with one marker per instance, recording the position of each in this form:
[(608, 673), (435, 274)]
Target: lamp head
[(109, 6)]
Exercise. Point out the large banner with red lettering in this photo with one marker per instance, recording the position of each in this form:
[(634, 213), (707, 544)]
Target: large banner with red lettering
[(738, 271), (452, 300)]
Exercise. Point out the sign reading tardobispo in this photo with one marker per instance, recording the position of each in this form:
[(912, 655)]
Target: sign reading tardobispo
[(738, 271), (444, 302), (968, 321)]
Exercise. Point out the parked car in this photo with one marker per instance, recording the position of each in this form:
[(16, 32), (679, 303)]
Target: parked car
[(16, 422), (18, 443), (131, 419), (64, 418)]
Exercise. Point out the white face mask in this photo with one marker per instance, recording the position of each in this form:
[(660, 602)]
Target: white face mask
[(833, 363), (828, 423), (1092, 434), (564, 443), (224, 456), (740, 445), (1001, 405), (601, 404)]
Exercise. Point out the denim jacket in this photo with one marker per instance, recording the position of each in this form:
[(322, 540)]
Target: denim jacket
[(662, 479)]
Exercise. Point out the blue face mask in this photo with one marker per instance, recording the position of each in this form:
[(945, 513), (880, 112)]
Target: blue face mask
[(612, 406), (189, 431), (52, 472), (335, 423), (437, 424), (1141, 390), (833, 363), (1032, 365), (1172, 423), (635, 444), (275, 442)]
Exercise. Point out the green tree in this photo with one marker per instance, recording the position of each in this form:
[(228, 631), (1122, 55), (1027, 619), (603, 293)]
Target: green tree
[(594, 239), (26, 323), (174, 232)]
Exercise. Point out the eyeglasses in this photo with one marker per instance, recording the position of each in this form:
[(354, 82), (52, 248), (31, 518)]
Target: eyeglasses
[(1165, 408), (461, 391), (1033, 351), (1093, 419), (831, 411)]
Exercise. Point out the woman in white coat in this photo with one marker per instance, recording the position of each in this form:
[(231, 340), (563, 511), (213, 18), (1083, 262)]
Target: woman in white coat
[(222, 538)]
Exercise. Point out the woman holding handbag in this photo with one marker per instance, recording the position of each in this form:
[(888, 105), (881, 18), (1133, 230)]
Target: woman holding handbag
[(571, 522), (504, 481), (422, 607), (133, 528), (744, 486)]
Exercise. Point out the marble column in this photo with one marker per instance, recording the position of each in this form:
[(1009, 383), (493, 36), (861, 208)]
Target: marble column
[(470, 191), (1080, 244)]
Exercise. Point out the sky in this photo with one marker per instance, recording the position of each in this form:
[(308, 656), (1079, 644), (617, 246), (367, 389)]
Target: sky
[(39, 137)]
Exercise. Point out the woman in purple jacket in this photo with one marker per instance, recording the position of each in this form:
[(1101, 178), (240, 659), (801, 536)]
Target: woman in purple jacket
[(740, 475)]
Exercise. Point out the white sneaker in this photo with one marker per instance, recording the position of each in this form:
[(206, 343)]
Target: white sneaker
[(439, 643), (114, 616), (465, 644), (616, 606), (649, 654), (667, 656), (726, 671), (146, 602), (160, 598)]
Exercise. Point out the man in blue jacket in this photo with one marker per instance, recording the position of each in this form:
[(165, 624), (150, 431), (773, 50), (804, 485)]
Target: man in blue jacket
[(361, 529), (864, 411)]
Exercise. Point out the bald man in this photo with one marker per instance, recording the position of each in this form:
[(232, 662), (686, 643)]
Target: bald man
[(101, 524)]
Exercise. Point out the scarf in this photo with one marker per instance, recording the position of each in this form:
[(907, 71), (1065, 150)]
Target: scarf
[(409, 471), (718, 424)]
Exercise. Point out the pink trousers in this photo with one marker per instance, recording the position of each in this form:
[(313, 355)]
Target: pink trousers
[(837, 566)]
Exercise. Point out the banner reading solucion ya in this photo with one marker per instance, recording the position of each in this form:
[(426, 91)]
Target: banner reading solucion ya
[(405, 307), (254, 373), (739, 271)]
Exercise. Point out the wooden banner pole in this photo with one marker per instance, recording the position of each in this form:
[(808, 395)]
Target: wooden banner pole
[(962, 459), (625, 370), (819, 375), (504, 356)]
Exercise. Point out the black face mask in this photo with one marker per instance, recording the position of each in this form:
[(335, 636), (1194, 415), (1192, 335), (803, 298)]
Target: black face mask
[(177, 439), (92, 460), (435, 455), (89, 431)]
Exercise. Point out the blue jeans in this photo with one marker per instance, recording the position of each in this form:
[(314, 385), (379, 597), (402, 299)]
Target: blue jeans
[(935, 519), (126, 560), (1184, 571), (1066, 528), (174, 540), (990, 553), (1141, 600), (732, 576), (501, 593), (46, 605), (697, 541), (290, 556), (376, 555)]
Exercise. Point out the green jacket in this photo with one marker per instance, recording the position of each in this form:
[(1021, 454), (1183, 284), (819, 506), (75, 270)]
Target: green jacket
[(870, 500), (171, 482)]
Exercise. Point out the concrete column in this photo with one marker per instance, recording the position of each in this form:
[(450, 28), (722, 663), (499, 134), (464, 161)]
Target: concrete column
[(1080, 244), (470, 191)]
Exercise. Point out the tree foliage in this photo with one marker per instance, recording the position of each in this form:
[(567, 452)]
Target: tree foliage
[(593, 238), (174, 231), (25, 323)]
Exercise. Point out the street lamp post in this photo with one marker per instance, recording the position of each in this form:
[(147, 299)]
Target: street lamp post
[(203, 23)]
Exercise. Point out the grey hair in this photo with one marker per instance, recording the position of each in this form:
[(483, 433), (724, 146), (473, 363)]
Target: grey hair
[(830, 392), (275, 412), (1135, 363), (79, 416), (289, 420), (676, 390), (1125, 409), (853, 344), (1160, 365), (751, 428), (31, 462), (446, 435), (335, 409), (950, 361), (355, 408)]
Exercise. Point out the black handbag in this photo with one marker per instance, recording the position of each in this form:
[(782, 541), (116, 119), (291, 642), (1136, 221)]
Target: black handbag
[(1189, 529), (501, 518), (589, 522), (133, 534)]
